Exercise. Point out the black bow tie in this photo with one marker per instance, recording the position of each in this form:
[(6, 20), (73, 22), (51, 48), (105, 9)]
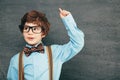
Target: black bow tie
[(28, 50)]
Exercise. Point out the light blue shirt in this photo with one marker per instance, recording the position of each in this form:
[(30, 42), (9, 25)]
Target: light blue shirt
[(36, 65)]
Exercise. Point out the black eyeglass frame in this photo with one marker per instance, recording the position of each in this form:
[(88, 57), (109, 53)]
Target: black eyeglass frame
[(32, 28)]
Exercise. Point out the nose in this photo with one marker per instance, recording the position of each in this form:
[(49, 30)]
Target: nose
[(30, 31)]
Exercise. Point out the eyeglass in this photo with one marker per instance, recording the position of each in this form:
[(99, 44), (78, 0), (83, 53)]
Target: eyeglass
[(35, 29)]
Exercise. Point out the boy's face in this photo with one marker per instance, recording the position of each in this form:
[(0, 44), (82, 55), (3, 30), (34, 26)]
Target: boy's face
[(32, 33)]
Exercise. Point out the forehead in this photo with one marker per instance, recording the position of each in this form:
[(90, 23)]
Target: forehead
[(30, 24)]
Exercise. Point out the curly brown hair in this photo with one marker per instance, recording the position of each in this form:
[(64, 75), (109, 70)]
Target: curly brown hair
[(35, 17)]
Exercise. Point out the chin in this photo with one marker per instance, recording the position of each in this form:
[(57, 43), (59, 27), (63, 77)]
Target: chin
[(32, 43)]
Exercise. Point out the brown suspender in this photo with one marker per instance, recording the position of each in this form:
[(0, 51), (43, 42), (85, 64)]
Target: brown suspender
[(49, 52), (21, 68)]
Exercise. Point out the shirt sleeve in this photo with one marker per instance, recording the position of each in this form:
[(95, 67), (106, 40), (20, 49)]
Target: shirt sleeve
[(12, 71), (74, 46)]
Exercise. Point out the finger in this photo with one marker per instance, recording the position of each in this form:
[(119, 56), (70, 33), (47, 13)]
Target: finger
[(64, 12), (60, 10)]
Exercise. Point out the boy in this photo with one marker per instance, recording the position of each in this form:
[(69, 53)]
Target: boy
[(35, 26)]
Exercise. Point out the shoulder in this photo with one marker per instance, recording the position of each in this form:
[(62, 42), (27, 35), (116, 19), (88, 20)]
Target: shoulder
[(14, 59), (55, 47), (16, 56)]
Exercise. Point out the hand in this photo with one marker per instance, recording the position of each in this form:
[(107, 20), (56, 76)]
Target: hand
[(63, 13)]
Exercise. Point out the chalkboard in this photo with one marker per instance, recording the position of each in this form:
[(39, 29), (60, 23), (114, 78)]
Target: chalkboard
[(98, 19)]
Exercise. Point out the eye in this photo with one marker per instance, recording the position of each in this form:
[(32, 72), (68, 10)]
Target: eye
[(25, 28), (34, 28)]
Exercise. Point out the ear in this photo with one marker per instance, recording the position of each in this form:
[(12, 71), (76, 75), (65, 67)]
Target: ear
[(22, 34), (43, 35)]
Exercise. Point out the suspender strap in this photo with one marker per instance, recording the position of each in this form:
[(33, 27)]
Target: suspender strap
[(50, 62), (21, 68), (49, 52)]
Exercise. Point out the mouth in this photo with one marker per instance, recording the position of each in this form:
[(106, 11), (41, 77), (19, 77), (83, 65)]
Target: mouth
[(30, 38)]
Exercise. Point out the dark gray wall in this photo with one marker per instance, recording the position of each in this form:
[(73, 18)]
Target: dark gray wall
[(98, 19)]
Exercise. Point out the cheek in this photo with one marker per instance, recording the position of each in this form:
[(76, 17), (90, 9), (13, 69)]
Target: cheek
[(39, 36), (24, 35)]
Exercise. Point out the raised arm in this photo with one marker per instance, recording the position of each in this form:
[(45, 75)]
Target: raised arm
[(76, 43)]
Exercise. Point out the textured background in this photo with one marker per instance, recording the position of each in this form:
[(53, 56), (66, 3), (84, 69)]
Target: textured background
[(98, 19)]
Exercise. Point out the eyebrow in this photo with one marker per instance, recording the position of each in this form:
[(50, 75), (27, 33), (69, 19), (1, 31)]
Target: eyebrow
[(31, 26)]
